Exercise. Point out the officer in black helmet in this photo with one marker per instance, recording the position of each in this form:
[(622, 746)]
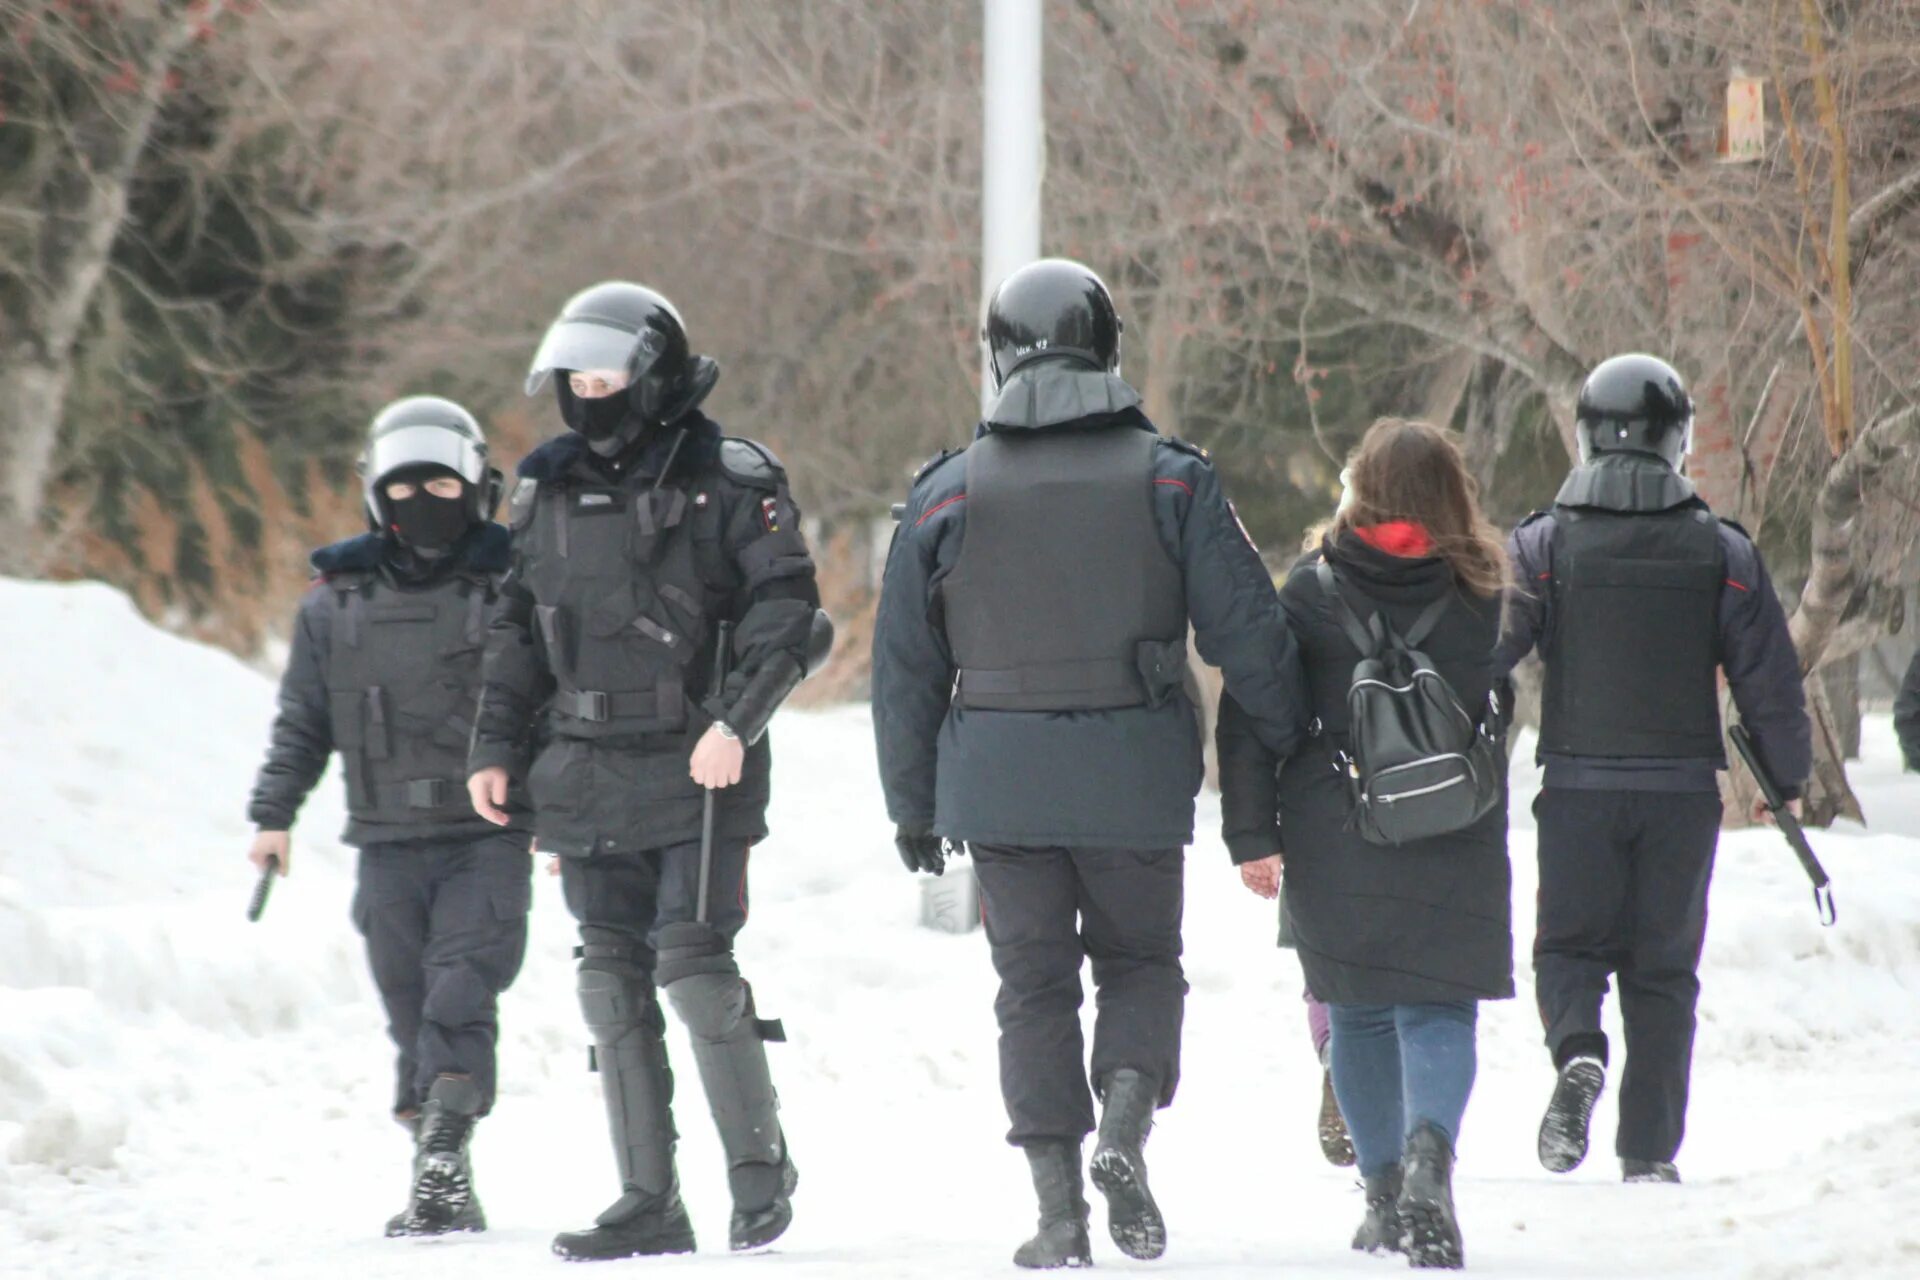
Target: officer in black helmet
[(1030, 699), (385, 668), (1637, 597), (636, 536)]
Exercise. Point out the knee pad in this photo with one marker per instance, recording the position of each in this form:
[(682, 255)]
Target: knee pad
[(616, 1005), (711, 1005)]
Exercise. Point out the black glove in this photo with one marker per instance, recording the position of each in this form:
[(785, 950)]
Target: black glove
[(921, 850)]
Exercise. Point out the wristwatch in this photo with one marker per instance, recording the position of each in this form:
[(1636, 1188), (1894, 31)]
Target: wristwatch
[(726, 731)]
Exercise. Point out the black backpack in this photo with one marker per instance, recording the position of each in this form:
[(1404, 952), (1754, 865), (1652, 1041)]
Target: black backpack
[(1417, 764)]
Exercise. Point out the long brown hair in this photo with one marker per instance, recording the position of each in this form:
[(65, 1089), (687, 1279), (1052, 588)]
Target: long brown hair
[(1414, 471)]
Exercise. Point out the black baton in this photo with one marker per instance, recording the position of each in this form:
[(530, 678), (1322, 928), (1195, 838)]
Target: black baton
[(258, 903), (1789, 825), (716, 687)]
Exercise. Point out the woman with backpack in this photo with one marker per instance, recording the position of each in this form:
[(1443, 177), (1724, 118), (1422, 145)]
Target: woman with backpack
[(1393, 815)]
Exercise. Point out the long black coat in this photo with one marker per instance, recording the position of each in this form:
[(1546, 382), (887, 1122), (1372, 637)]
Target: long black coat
[(1422, 922)]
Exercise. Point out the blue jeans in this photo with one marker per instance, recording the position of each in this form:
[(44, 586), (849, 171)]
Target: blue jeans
[(1397, 1066)]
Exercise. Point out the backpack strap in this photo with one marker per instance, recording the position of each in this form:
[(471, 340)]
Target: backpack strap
[(1370, 642), (1429, 618), (1366, 642)]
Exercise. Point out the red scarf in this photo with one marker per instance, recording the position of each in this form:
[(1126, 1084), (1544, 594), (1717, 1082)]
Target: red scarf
[(1397, 538)]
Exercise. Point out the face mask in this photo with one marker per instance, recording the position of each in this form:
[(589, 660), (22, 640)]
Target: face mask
[(598, 419), (428, 523)]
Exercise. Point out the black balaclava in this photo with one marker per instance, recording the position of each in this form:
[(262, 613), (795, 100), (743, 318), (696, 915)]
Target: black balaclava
[(426, 524)]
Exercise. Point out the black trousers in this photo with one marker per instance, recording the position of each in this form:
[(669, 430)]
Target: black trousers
[(623, 899), (445, 923), (1045, 910), (1623, 891)]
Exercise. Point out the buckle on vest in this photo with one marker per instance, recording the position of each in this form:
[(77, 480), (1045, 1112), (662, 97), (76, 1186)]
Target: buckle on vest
[(427, 793), (591, 704)]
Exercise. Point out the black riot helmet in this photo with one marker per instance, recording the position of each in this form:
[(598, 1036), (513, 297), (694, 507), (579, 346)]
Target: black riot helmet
[(1634, 404), (1051, 308), (423, 433), (633, 330)]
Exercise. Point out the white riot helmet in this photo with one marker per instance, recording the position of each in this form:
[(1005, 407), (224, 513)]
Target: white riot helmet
[(427, 431)]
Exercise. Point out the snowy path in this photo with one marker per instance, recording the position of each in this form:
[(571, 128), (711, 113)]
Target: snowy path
[(182, 1094)]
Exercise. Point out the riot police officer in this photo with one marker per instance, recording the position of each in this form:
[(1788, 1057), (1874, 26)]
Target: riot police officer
[(1030, 700), (638, 536), (385, 669), (1637, 595)]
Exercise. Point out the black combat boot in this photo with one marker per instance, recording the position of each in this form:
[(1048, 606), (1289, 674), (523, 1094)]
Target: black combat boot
[(762, 1201), (639, 1224), (1380, 1230), (1428, 1229), (443, 1196), (1648, 1171), (1062, 1238), (1563, 1130), (1120, 1167)]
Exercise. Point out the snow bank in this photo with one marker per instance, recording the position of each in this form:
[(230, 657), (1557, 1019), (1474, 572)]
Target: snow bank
[(184, 1094)]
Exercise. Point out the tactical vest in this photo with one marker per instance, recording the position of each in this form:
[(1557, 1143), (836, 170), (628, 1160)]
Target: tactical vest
[(1064, 598), (1635, 646), (625, 578), (403, 682)]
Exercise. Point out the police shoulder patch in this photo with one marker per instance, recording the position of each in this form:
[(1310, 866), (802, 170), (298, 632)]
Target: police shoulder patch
[(932, 464), (1186, 447), (751, 463)]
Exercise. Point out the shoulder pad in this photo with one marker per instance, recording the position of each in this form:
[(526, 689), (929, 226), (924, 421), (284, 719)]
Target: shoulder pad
[(1736, 526), (550, 460), (1532, 517), (526, 495), (1192, 450), (751, 463), (932, 464), (353, 555)]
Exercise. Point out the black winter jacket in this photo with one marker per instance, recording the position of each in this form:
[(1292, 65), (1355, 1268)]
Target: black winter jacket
[(630, 794), (302, 735), (1422, 922), (1122, 778)]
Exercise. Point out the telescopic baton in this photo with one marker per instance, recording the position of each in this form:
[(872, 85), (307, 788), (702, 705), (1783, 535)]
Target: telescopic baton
[(716, 688), (258, 903), (1789, 825)]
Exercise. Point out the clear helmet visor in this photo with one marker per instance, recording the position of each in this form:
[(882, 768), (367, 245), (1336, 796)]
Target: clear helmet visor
[(583, 344)]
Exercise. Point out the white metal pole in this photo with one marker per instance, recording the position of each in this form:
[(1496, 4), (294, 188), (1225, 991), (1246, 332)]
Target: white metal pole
[(1013, 150)]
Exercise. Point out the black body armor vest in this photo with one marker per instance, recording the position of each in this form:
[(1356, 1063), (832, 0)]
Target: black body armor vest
[(626, 578), (403, 684), (1633, 657), (1064, 597)]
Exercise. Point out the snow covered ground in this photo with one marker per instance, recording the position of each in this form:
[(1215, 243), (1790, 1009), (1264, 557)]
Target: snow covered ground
[(184, 1094)]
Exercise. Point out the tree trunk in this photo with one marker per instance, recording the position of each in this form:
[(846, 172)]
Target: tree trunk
[(1843, 699), (84, 202)]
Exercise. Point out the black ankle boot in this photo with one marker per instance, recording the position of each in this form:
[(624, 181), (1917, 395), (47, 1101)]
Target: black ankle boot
[(1380, 1230), (1120, 1165), (762, 1201), (1062, 1238), (443, 1195), (1428, 1229), (639, 1224), (1563, 1129)]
